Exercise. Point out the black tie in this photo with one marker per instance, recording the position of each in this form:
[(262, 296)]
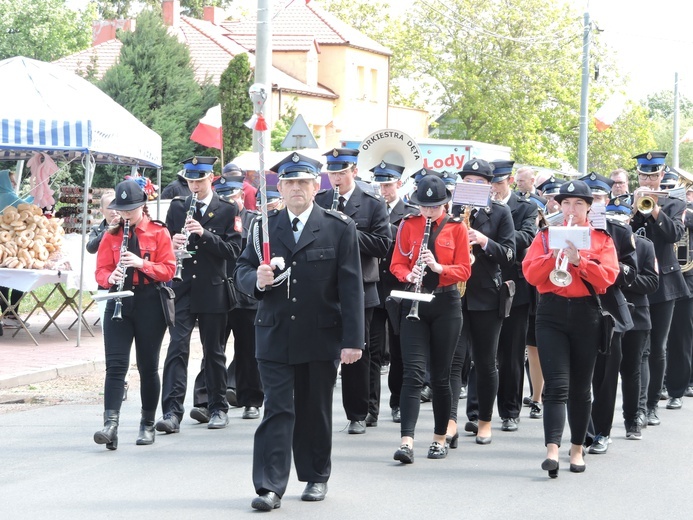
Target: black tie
[(294, 223), (199, 206), (342, 203)]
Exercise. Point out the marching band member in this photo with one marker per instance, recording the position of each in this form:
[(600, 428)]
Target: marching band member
[(605, 378), (370, 214), (661, 219), (301, 334), (492, 235), (548, 189), (437, 266), (383, 335), (149, 258), (568, 324), (511, 342)]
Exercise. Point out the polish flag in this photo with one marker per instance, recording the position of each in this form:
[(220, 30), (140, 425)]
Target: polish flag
[(688, 136), (609, 112), (208, 132)]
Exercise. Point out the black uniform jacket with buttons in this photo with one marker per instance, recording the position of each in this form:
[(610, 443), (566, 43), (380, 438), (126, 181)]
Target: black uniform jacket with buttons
[(665, 232), (646, 282), (524, 215), (319, 310), (483, 287), (388, 282), (688, 222), (373, 225), (204, 275), (613, 300)]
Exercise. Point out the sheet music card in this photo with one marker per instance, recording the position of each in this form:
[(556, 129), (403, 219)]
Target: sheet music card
[(578, 235), (471, 194), (597, 215)]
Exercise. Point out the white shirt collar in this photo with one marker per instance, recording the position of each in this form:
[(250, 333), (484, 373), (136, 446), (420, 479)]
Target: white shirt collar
[(303, 217)]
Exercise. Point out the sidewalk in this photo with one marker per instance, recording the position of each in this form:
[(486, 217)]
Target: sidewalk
[(23, 363)]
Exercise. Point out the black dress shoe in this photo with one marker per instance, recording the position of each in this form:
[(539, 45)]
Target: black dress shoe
[(472, 427), (218, 420), (231, 397), (404, 454), (437, 450), (577, 468), (251, 412), (371, 420), (200, 414), (168, 424), (452, 440), (527, 401), (674, 403), (266, 501), (510, 424), (484, 440), (688, 392), (314, 492), (551, 466), (357, 427), (426, 394), (396, 415)]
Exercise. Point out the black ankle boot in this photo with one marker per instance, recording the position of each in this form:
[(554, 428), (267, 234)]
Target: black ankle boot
[(109, 434), (146, 435)]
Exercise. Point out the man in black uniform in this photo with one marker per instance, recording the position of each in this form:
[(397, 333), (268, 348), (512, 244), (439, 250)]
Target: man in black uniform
[(606, 369), (511, 343), (373, 225), (383, 336), (177, 188), (492, 235), (662, 222), (203, 296), (302, 334)]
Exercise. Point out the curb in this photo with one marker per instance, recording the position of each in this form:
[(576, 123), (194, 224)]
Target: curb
[(52, 373)]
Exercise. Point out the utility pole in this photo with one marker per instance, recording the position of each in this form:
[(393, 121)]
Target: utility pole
[(263, 64), (584, 97), (675, 154)]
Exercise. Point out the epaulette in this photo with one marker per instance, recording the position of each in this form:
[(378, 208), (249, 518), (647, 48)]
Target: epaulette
[(411, 206), (179, 198), (497, 203), (455, 220), (158, 222), (373, 195), (322, 191), (232, 202), (410, 215), (525, 200), (616, 221), (338, 215), (603, 231)]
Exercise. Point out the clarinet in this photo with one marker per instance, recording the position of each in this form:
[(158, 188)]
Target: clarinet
[(414, 312), (182, 252), (335, 198), (118, 306)]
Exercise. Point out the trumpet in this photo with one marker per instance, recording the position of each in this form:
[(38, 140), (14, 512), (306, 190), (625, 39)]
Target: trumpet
[(417, 295), (648, 200), (118, 306), (182, 252), (560, 275)]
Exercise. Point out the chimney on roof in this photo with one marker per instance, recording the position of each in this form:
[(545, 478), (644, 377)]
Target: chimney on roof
[(171, 12), (105, 30), (213, 14)]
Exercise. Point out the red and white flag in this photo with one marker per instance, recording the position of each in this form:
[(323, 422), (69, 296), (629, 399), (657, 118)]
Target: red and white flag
[(609, 112), (688, 136), (208, 132)]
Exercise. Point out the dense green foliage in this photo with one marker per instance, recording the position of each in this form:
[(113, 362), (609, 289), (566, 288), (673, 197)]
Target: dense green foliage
[(236, 107)]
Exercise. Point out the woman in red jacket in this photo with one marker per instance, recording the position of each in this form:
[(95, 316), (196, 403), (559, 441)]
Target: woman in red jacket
[(149, 259), (568, 324), (444, 263)]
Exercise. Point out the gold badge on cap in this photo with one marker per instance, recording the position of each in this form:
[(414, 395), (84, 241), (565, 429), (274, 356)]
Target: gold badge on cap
[(335, 153), (649, 156), (475, 166), (194, 161), (383, 164), (429, 193), (571, 188), (617, 202), (295, 158)]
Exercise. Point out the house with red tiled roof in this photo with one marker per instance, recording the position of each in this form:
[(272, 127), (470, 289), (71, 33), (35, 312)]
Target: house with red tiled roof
[(336, 77)]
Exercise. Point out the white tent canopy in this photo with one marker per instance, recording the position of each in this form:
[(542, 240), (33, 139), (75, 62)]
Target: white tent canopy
[(44, 108), (48, 109)]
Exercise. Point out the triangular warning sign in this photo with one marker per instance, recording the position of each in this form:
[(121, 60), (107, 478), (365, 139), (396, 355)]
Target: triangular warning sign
[(299, 136)]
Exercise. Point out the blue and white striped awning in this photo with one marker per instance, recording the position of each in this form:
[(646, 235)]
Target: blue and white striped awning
[(42, 133)]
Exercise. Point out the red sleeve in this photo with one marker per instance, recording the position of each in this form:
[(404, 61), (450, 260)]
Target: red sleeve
[(457, 268), (107, 257), (401, 264), (537, 264), (163, 266)]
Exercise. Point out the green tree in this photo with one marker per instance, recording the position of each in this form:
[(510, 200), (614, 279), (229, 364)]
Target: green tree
[(45, 30), (236, 107), (195, 8), (113, 9), (661, 105), (155, 81)]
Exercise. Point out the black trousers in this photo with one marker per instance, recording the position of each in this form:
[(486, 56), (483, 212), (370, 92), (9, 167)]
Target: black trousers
[(680, 348), (511, 361), (480, 333), (396, 373), (431, 340), (604, 388), (298, 417), (356, 379), (378, 347), (632, 345), (654, 355), (144, 322), (568, 332), (212, 330), (246, 376)]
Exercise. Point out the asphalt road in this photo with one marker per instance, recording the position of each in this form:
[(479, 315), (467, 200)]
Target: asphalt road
[(51, 468)]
